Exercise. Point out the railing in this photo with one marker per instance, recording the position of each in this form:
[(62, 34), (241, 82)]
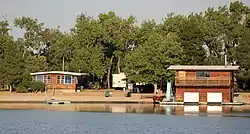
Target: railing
[(212, 81)]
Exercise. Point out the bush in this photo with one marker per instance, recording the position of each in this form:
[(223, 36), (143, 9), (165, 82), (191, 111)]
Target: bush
[(30, 86), (23, 87), (96, 85), (36, 86)]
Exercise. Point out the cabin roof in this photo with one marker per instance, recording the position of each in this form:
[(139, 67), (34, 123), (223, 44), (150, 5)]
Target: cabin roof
[(59, 72), (202, 67)]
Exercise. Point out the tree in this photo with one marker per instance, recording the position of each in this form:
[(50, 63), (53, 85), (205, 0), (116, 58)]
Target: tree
[(117, 36), (62, 49), (89, 59), (12, 65), (109, 32), (243, 56), (191, 36), (149, 61)]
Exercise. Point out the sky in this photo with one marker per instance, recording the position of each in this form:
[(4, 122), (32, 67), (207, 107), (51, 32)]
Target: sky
[(64, 12)]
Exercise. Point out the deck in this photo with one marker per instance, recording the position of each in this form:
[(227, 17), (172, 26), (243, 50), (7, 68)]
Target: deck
[(216, 81)]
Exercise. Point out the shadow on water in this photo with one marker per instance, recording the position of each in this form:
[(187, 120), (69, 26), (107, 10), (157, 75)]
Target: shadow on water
[(202, 110)]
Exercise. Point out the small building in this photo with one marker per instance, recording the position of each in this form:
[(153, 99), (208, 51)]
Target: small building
[(211, 84), (59, 80)]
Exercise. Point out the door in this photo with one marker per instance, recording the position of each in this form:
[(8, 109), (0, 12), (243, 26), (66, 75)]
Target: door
[(191, 96), (214, 97)]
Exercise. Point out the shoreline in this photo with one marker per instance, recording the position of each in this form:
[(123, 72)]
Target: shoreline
[(120, 102), (83, 102), (96, 97)]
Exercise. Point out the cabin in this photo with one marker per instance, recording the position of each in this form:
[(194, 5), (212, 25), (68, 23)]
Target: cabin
[(59, 80), (209, 84)]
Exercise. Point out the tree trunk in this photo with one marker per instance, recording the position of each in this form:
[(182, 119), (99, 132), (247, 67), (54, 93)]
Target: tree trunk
[(161, 84), (118, 66), (10, 88), (155, 88), (109, 71)]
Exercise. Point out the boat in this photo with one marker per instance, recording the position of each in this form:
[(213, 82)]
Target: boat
[(158, 97)]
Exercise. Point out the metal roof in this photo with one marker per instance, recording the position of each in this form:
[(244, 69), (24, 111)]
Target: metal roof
[(202, 67), (59, 72)]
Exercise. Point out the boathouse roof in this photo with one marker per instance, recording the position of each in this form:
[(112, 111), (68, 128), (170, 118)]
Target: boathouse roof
[(202, 67)]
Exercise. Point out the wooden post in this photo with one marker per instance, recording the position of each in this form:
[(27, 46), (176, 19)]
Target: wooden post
[(53, 90)]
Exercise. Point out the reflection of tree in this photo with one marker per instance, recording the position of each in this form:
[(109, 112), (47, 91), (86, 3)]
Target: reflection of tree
[(158, 109)]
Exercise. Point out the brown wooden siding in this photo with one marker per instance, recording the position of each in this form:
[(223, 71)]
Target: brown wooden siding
[(217, 78), (226, 93)]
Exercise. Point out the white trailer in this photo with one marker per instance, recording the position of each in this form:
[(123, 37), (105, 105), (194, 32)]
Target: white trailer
[(119, 80)]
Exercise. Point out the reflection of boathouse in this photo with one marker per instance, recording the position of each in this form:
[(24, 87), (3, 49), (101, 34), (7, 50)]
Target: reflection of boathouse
[(197, 110), (212, 84)]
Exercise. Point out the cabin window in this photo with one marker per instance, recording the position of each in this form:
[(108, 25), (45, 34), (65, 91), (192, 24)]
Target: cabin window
[(39, 78), (182, 74), (49, 80), (58, 79), (62, 80), (202, 74), (44, 79), (68, 79)]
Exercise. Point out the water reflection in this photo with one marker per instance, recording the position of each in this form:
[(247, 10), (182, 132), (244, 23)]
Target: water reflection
[(201, 110), (205, 110)]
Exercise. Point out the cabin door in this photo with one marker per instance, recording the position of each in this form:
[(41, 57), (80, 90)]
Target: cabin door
[(191, 97), (214, 97)]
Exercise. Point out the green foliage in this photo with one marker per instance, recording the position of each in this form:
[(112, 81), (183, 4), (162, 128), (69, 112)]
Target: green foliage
[(89, 59), (37, 86), (23, 87), (148, 62), (30, 86)]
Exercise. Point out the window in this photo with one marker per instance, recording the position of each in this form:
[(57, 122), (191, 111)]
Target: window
[(68, 79), (39, 78), (62, 80), (58, 79), (44, 79), (182, 74), (49, 79), (202, 74)]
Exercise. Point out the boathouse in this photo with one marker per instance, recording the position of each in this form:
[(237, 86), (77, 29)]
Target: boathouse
[(59, 80), (210, 84)]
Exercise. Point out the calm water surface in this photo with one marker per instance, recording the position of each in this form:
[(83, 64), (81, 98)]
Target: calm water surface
[(122, 119)]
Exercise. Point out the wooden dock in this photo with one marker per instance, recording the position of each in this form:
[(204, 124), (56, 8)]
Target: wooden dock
[(58, 102), (171, 103), (233, 103)]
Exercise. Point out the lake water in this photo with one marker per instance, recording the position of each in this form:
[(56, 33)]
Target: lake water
[(123, 119)]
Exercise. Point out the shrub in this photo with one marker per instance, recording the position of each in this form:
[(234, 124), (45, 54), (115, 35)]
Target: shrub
[(30, 86), (23, 87), (36, 86), (96, 85)]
